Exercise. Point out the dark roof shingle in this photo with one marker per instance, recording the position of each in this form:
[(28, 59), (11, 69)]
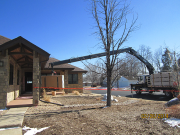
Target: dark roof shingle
[(3, 40), (63, 66)]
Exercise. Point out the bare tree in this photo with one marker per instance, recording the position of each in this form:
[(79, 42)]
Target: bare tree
[(111, 19), (96, 72), (145, 51), (90, 75), (157, 58)]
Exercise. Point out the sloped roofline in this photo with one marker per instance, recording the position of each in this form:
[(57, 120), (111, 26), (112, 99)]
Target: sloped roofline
[(20, 39), (63, 66)]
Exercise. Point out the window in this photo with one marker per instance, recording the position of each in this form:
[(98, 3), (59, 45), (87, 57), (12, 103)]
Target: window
[(73, 78), (17, 77), (11, 75)]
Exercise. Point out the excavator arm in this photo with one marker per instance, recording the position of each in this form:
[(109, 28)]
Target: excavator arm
[(127, 50)]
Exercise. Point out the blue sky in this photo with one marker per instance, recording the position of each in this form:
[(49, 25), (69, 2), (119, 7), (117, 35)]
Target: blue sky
[(65, 28)]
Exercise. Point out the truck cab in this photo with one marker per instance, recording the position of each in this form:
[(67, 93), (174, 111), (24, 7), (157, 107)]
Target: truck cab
[(142, 79), (141, 84)]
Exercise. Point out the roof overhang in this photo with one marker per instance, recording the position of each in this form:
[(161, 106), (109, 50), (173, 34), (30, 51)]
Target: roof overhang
[(21, 50)]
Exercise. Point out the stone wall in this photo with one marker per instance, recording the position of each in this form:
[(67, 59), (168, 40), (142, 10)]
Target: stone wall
[(14, 90), (4, 80), (79, 85), (8, 92), (36, 77)]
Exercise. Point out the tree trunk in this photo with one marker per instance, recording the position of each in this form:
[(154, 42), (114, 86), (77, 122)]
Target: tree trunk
[(108, 87)]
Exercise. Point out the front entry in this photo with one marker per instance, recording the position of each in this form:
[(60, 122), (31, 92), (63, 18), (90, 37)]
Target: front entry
[(28, 82)]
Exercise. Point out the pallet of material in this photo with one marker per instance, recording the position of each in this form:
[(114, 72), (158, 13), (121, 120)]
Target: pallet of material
[(162, 84), (163, 79)]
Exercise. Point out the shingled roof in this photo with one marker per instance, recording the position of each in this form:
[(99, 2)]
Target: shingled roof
[(3, 40), (63, 66)]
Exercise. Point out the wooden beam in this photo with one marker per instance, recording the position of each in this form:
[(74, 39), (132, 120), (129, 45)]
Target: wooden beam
[(13, 48), (23, 62), (3, 53), (29, 59), (26, 64), (20, 58), (36, 54), (21, 53), (25, 47)]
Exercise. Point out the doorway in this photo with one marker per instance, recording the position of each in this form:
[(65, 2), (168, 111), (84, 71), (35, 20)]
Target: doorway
[(28, 82)]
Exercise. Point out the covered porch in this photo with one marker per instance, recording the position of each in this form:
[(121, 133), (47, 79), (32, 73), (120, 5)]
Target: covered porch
[(24, 100), (20, 72)]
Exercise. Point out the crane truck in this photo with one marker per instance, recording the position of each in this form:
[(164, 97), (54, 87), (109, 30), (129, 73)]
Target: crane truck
[(162, 81), (166, 81)]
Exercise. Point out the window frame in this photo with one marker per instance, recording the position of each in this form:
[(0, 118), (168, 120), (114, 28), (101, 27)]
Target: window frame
[(73, 79)]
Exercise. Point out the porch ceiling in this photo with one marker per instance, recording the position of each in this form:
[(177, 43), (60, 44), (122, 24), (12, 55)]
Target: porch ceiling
[(22, 54), (21, 50)]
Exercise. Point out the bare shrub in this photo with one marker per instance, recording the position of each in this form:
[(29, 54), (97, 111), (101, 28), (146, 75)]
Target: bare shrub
[(99, 98), (76, 92), (45, 96), (173, 111)]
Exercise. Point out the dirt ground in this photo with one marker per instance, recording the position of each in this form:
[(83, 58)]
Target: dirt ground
[(86, 115)]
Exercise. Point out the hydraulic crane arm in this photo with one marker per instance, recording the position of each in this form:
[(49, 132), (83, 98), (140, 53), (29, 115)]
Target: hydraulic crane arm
[(143, 60), (127, 50)]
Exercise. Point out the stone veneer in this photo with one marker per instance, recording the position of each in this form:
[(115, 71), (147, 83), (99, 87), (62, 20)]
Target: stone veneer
[(8, 92), (36, 78), (79, 85), (14, 90), (4, 80)]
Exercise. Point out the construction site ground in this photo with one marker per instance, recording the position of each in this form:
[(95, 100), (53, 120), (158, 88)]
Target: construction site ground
[(87, 114)]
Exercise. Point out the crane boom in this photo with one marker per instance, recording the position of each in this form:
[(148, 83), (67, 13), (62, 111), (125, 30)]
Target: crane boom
[(127, 50)]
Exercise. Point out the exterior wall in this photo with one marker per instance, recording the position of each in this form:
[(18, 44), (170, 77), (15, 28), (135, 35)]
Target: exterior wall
[(79, 85), (66, 79), (36, 78), (123, 82), (14, 90), (4, 80), (8, 92), (132, 82)]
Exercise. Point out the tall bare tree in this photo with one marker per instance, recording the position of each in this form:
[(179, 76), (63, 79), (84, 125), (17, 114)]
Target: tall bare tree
[(113, 30), (157, 58), (145, 51)]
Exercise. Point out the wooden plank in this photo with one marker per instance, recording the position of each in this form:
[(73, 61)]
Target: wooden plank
[(52, 81), (42, 81), (19, 53)]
